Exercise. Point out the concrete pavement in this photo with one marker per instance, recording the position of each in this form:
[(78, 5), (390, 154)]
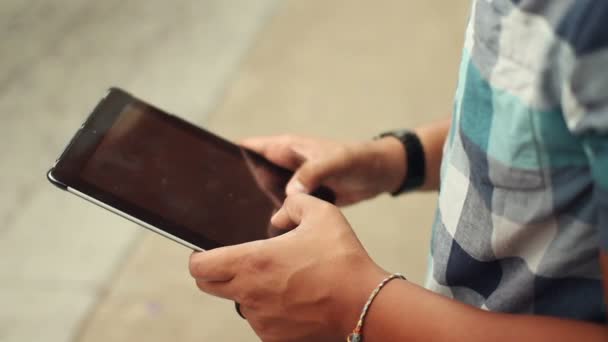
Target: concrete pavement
[(345, 69), (58, 254)]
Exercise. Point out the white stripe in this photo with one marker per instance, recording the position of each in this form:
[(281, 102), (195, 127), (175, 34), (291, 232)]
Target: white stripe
[(590, 83), (510, 239), (529, 49), (469, 40), (452, 201)]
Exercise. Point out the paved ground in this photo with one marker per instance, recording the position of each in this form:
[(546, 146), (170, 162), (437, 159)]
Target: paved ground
[(58, 253), (342, 68)]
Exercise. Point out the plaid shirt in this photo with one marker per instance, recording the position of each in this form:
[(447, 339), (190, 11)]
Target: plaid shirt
[(523, 207)]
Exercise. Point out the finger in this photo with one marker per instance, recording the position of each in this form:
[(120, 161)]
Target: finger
[(258, 144), (295, 209), (281, 150), (312, 174), (221, 264), (284, 226), (222, 289)]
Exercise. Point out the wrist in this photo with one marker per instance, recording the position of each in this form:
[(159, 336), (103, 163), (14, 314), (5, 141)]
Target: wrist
[(353, 295), (392, 162)]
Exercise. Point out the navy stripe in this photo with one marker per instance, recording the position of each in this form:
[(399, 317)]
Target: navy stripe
[(584, 26), (573, 298), (464, 270), (601, 196)]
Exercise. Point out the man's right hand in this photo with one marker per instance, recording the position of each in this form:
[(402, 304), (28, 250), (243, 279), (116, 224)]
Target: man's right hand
[(354, 171)]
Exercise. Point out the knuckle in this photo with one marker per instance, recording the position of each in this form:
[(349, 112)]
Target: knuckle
[(293, 200), (258, 263), (326, 208), (315, 171), (249, 298)]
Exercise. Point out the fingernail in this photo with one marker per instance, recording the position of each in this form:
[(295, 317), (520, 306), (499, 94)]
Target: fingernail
[(296, 187)]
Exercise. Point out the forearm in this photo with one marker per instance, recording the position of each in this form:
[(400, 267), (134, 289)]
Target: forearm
[(432, 136), (406, 312)]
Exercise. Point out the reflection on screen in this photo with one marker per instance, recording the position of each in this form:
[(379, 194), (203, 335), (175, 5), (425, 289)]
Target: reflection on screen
[(211, 188)]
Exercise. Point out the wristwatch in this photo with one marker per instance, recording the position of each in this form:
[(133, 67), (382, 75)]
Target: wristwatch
[(416, 165)]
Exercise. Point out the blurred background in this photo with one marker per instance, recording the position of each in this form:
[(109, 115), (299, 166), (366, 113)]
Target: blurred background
[(343, 69)]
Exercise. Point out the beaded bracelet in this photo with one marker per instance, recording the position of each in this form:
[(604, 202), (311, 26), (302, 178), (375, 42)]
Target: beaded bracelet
[(356, 335)]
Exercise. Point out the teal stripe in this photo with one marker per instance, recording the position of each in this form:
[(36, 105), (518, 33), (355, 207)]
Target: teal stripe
[(596, 147), (559, 147), (512, 132), (476, 109)]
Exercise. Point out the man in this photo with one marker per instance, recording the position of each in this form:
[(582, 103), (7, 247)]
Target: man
[(520, 241)]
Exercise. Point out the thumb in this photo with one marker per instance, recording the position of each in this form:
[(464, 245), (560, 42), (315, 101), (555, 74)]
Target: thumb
[(311, 175), (295, 210)]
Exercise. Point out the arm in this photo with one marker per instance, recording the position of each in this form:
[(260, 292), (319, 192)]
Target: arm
[(426, 316), (311, 283), (355, 171)]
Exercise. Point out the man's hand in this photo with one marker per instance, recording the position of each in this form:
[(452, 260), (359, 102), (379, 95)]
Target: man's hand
[(306, 285), (354, 171)]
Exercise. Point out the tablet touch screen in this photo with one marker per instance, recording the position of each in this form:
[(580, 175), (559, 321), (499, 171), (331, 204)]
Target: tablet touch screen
[(188, 178)]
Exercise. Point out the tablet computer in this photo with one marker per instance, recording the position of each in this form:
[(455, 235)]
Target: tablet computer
[(171, 176)]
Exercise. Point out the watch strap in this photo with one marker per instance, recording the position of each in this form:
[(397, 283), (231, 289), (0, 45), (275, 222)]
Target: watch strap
[(416, 163)]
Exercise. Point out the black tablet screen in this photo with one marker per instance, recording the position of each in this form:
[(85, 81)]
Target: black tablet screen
[(191, 179)]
